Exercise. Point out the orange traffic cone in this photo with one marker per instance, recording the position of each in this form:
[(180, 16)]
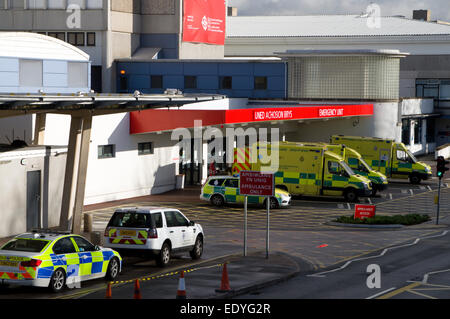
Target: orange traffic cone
[(108, 291), (181, 292), (137, 290), (225, 285)]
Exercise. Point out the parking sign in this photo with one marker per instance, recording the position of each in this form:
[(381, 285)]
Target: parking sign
[(256, 183)]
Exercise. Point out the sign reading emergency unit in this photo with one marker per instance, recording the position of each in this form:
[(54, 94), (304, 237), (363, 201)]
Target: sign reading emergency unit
[(364, 211), (256, 183), (204, 21)]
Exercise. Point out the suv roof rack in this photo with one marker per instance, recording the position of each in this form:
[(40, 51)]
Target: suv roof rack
[(50, 231)]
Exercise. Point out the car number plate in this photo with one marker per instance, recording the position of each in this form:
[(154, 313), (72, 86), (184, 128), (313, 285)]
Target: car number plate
[(129, 233), (8, 263)]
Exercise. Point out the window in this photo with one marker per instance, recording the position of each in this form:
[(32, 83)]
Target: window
[(156, 82), (58, 35), (83, 244), (123, 84), (260, 82), (77, 74), (175, 219), (334, 168), (90, 39), (232, 183), (406, 128), (418, 131), (64, 246), (226, 82), (75, 38), (402, 156), (190, 82), (30, 73), (157, 220), (130, 219), (215, 182), (28, 245), (145, 148), (106, 151), (430, 131)]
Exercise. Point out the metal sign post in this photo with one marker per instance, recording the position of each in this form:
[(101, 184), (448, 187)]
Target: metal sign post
[(256, 184), (268, 227), (245, 225), (438, 201)]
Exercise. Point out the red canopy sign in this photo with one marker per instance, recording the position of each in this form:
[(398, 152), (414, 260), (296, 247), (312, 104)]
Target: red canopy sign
[(256, 183), (204, 21)]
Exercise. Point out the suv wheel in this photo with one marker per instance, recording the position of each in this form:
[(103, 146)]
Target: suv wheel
[(164, 255), (197, 251)]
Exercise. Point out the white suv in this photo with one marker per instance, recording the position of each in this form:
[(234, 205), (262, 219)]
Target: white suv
[(155, 231)]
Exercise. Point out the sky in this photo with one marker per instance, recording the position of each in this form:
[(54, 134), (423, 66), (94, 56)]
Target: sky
[(440, 9)]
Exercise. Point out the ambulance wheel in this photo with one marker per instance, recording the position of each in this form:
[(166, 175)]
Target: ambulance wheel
[(414, 179), (58, 280), (217, 200), (350, 195), (374, 192)]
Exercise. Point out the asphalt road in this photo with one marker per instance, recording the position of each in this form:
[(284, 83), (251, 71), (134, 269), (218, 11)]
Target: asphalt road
[(300, 231), (419, 268)]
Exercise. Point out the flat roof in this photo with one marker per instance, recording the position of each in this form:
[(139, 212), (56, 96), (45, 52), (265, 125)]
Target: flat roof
[(94, 103), (329, 26), (361, 52)]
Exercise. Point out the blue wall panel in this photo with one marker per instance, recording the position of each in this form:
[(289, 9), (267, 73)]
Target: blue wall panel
[(166, 68), (208, 74)]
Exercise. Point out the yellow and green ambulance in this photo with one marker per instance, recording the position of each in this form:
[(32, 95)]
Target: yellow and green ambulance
[(387, 156), (359, 166), (305, 169)]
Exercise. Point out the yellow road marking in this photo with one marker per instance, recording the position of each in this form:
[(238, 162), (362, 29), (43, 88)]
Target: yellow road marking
[(399, 291), (421, 294)]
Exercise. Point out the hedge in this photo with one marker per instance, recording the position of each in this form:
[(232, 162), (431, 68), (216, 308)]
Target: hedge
[(407, 220)]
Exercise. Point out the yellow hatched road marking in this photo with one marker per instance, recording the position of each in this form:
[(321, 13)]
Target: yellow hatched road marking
[(399, 291)]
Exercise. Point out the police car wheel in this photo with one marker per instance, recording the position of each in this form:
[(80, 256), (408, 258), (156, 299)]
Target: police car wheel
[(113, 269), (58, 280), (273, 203), (197, 251), (217, 200), (164, 255)]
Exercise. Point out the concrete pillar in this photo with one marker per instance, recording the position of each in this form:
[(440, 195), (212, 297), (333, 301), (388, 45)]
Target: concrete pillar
[(39, 129), (75, 175), (71, 165), (82, 172)]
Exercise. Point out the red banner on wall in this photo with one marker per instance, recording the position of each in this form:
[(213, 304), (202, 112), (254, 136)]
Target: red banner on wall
[(204, 21)]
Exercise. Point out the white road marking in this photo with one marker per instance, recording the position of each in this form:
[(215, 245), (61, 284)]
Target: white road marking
[(381, 293), (321, 274), (427, 275)]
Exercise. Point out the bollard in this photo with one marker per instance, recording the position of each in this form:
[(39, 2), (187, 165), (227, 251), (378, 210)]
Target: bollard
[(96, 238), (87, 223)]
